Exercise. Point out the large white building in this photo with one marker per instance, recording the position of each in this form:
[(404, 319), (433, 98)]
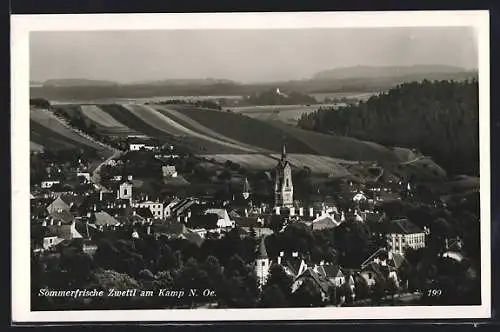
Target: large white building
[(157, 208), (402, 234)]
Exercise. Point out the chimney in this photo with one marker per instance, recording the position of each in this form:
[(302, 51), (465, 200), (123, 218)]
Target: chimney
[(279, 260), (149, 230)]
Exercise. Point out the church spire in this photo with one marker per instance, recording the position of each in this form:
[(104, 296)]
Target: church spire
[(262, 252), (283, 152)]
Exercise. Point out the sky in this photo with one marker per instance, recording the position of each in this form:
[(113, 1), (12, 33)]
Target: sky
[(240, 55)]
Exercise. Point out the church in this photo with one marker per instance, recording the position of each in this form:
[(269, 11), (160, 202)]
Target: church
[(283, 185)]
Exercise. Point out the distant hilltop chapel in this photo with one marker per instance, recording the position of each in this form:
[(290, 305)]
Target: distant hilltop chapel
[(283, 185)]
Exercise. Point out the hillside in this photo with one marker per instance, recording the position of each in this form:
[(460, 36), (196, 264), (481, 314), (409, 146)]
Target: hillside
[(441, 119), (386, 71), (66, 82), (374, 80)]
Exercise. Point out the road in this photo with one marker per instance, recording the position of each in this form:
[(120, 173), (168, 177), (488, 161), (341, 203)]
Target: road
[(96, 178)]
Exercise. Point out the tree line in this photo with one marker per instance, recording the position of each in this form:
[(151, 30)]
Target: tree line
[(440, 118)]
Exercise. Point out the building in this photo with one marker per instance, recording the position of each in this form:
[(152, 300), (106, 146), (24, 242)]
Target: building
[(125, 191), (138, 143), (169, 171), (157, 208), (402, 234), (223, 219), (49, 183), (283, 185), (262, 263)]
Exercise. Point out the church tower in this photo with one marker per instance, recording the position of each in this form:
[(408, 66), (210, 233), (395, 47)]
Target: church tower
[(283, 186), (262, 263)]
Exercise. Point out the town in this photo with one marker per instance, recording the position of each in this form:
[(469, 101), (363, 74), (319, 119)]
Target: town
[(149, 218)]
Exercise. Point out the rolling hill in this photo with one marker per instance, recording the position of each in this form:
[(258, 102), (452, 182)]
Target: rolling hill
[(218, 136)]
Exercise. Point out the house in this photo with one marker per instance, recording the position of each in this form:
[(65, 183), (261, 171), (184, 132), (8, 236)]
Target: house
[(182, 207), (48, 236), (372, 274), (49, 183), (145, 213), (58, 205), (61, 217), (388, 263), (223, 220), (167, 211), (332, 272), (157, 209), (322, 283), (359, 197), (326, 221), (104, 219), (138, 143), (293, 265), (169, 171), (402, 234), (84, 175)]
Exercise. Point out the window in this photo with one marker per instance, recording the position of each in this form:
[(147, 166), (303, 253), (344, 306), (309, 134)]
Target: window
[(263, 263), (125, 192), (287, 183)]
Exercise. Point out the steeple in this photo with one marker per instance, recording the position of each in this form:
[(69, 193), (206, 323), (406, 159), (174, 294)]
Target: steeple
[(262, 252), (246, 186), (283, 152), (246, 189)]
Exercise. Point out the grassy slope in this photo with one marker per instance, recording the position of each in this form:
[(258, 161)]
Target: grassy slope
[(271, 133), (194, 144), (73, 110), (46, 137), (159, 120), (191, 124), (246, 130)]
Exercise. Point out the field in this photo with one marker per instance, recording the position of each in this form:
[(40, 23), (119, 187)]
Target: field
[(244, 129), (317, 164), (218, 136), (187, 122), (336, 95), (195, 144), (287, 113), (159, 120), (47, 130)]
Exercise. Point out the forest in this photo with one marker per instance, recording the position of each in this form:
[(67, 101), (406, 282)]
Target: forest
[(440, 119)]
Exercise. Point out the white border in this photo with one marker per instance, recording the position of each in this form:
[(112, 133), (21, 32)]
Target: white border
[(21, 25)]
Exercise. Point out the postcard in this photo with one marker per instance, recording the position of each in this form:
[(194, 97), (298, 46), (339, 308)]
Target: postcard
[(250, 166)]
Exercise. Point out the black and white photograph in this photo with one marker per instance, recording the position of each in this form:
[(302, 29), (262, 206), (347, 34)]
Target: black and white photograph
[(254, 166)]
